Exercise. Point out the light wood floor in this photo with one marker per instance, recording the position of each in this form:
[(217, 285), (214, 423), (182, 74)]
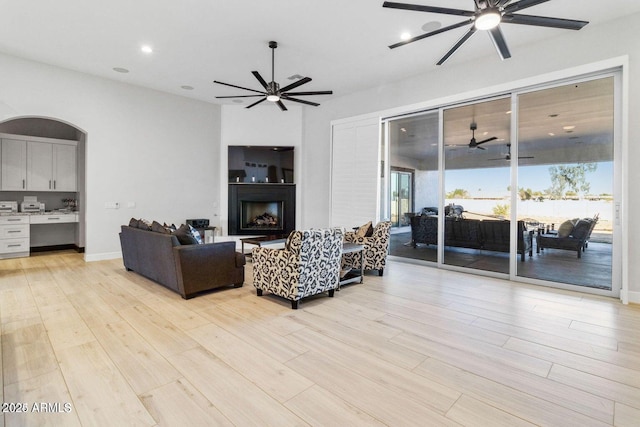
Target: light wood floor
[(419, 346)]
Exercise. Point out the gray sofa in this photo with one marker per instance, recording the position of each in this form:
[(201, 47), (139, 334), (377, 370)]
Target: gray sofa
[(185, 269)]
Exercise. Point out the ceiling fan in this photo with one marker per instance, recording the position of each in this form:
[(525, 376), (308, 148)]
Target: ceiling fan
[(507, 156), (486, 16), (476, 144), (272, 91)]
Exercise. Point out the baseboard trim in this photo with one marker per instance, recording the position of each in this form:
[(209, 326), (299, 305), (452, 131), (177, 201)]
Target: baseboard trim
[(634, 297), (56, 248)]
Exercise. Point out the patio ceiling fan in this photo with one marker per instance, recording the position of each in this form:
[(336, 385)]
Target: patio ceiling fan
[(507, 156), (486, 16), (272, 91), (473, 144)]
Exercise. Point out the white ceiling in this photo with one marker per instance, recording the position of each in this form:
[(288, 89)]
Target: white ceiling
[(342, 45)]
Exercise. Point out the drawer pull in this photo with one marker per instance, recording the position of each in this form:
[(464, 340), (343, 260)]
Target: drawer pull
[(14, 246), (51, 218), (14, 219), (14, 231)]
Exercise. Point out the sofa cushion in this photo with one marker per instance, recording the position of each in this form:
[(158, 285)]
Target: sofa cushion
[(565, 229), (365, 230), (185, 236)]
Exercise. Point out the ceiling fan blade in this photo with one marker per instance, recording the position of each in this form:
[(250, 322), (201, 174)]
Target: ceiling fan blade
[(240, 96), (432, 33), (420, 8), (302, 101), (281, 105), (318, 92), (257, 102), (493, 138), (460, 42), (526, 157), (238, 87), (499, 158), (260, 79), (498, 41), (544, 21), (295, 84), (522, 4)]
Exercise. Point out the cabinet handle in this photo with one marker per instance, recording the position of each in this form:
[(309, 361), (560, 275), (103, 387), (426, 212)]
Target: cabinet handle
[(13, 219), (14, 246), (53, 218), (49, 184), (14, 231), (54, 184), (23, 183)]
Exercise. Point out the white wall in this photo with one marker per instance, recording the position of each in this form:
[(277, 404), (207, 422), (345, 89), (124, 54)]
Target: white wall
[(263, 125), (457, 81), (158, 151)]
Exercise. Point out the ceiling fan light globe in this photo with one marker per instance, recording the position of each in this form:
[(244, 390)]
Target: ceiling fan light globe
[(273, 98), (488, 19)]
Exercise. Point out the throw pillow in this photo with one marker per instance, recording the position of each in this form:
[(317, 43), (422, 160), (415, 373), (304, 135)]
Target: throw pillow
[(144, 224), (196, 234), (365, 230), (133, 223), (565, 229), (159, 228), (184, 235), (581, 229)]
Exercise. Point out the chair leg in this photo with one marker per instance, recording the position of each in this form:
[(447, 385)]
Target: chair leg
[(294, 305), (259, 292), (380, 272)]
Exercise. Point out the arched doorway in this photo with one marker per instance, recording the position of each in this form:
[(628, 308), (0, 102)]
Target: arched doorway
[(40, 131)]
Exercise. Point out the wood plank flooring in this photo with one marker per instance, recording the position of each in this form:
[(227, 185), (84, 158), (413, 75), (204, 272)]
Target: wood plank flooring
[(89, 344)]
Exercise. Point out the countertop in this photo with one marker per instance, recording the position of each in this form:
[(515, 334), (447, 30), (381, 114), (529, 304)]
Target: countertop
[(39, 213)]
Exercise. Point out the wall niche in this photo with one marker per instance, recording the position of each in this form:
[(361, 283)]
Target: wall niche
[(260, 164)]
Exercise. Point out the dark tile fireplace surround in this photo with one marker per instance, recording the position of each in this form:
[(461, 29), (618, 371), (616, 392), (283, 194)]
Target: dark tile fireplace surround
[(261, 208)]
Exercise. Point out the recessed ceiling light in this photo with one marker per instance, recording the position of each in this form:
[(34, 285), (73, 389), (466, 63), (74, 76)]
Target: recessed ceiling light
[(405, 36), (552, 134), (508, 112), (568, 127), (146, 49), (403, 129), (295, 77), (120, 70), (187, 87)]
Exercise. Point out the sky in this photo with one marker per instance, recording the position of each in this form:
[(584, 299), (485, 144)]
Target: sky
[(493, 182)]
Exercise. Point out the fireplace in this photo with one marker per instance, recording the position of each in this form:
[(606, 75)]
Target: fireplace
[(261, 216), (261, 209)]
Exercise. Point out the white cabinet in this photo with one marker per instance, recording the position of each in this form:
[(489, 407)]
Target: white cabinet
[(14, 161), (51, 166), (54, 218), (14, 236)]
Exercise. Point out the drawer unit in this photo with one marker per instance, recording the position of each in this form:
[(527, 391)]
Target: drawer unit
[(14, 247), (53, 218), (12, 231), (14, 236)]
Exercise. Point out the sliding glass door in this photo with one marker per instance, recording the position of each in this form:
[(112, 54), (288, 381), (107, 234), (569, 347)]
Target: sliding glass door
[(524, 185), (477, 203), (566, 181)]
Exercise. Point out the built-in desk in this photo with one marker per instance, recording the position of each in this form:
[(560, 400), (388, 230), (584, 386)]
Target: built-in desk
[(19, 230)]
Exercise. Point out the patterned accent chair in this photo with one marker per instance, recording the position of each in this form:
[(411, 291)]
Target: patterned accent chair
[(309, 265), (376, 248)]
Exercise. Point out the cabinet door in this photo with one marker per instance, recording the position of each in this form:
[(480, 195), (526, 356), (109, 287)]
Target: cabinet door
[(65, 168), (14, 163), (39, 166)]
